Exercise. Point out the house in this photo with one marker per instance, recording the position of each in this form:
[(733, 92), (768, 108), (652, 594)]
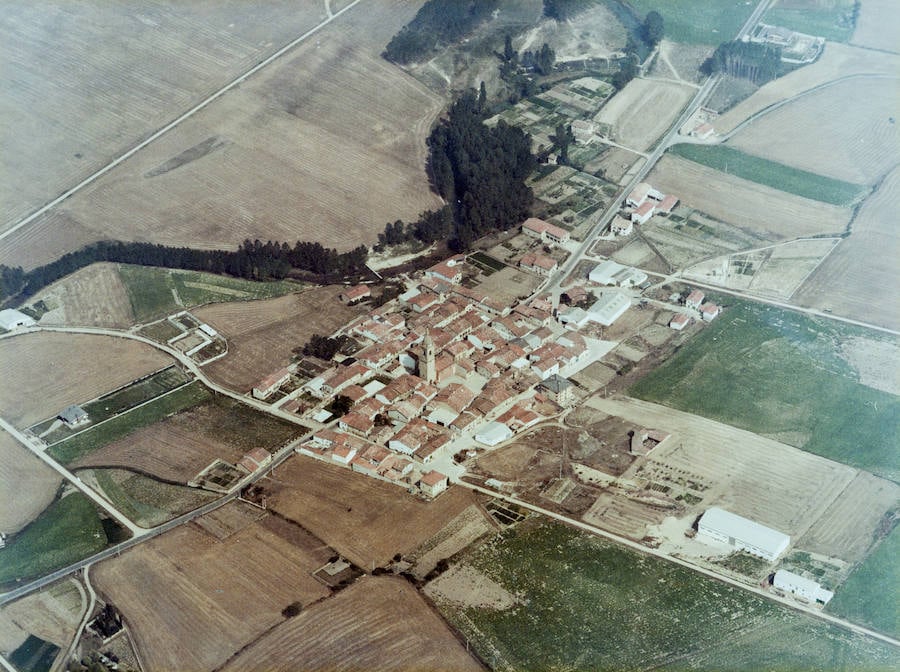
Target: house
[(344, 376), (433, 483), (356, 423), (423, 301), (449, 403), (518, 418), (466, 421), (621, 226), (355, 294), (493, 433), (73, 416), (667, 204), (545, 231), (644, 212), (558, 389), (709, 311), (268, 385), (343, 454), (679, 321), (742, 534), (538, 263), (638, 195), (694, 299), (801, 586), (254, 460), (575, 295), (13, 319), (449, 270)]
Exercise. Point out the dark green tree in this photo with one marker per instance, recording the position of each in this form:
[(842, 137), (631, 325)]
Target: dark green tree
[(652, 30)]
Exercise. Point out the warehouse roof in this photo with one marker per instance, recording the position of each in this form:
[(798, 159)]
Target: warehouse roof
[(746, 530)]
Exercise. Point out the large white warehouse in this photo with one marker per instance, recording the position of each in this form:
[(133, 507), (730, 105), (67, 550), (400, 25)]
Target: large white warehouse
[(742, 534)]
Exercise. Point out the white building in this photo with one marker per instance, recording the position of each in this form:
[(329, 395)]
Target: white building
[(12, 319), (608, 308), (493, 433), (742, 534), (801, 586), (611, 273)]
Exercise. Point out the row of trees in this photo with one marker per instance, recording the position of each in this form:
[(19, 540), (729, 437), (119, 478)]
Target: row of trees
[(760, 63)]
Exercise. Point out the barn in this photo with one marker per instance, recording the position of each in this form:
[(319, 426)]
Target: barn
[(13, 319), (801, 586), (742, 534)]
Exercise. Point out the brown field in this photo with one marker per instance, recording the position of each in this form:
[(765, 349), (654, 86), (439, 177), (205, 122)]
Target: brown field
[(377, 624), (34, 483), (859, 279), (839, 60), (94, 296), (325, 144), (45, 372), (615, 164), (878, 26), (759, 210), (262, 334), (192, 600), (642, 111), (366, 520), (855, 117), (137, 70), (178, 448), (52, 614)]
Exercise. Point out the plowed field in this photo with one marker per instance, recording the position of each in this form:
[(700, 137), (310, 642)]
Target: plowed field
[(94, 296)]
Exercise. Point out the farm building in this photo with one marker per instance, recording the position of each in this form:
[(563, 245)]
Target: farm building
[(254, 460), (547, 232), (605, 310), (801, 586), (703, 130), (679, 321), (694, 299), (74, 416), (742, 534), (645, 440), (611, 273), (709, 311), (354, 294), (433, 483), (449, 270), (665, 206), (493, 433), (640, 194), (12, 319), (621, 226), (268, 385), (644, 212), (538, 263)]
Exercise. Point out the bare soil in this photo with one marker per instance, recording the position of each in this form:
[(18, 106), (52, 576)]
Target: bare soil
[(33, 482), (467, 587), (43, 373), (94, 296), (641, 112)]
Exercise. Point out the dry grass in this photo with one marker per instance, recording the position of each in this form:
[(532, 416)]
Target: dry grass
[(191, 600), (642, 111), (51, 614), (34, 483), (858, 279), (325, 144), (366, 520), (94, 296), (759, 210), (376, 624), (878, 26), (262, 334), (45, 372), (855, 117)]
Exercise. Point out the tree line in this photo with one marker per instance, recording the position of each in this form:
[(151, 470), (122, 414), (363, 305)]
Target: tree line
[(759, 63)]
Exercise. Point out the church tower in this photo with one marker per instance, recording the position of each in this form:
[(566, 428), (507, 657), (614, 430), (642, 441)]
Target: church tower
[(428, 370)]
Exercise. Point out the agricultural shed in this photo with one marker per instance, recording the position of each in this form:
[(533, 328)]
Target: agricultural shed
[(611, 273), (13, 319), (679, 321), (608, 308), (801, 586), (493, 433), (742, 533)]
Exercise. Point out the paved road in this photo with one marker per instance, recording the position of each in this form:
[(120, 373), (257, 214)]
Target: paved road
[(187, 115)]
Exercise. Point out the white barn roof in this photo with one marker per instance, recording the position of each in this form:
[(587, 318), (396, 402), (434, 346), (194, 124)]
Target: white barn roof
[(747, 533), (800, 585), (609, 308), (493, 433), (10, 319)]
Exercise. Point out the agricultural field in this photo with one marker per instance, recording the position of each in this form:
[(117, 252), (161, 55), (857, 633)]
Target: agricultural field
[(856, 117), (697, 22), (177, 447), (51, 615), (185, 594), (678, 60), (641, 112), (832, 19), (366, 520), (34, 483), (263, 334), (772, 174), (779, 374), (753, 207), (136, 72), (878, 26), (607, 607), (335, 135), (855, 280), (94, 296), (378, 623), (64, 369)]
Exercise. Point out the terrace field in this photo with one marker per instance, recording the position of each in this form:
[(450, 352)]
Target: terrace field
[(583, 603), (779, 374), (698, 22)]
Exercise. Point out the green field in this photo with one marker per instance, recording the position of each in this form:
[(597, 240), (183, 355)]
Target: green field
[(774, 371), (147, 501), (150, 290), (69, 450), (834, 23), (708, 22), (771, 174), (871, 595), (67, 531), (588, 604), (35, 655)]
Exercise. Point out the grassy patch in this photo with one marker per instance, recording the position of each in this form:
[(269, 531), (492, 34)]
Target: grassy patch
[(486, 263), (772, 372), (81, 444), (696, 22), (67, 531), (34, 655), (587, 604), (772, 174), (152, 291), (872, 593), (834, 23), (147, 501), (746, 564)]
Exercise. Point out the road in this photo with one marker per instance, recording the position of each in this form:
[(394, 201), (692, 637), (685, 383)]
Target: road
[(331, 16)]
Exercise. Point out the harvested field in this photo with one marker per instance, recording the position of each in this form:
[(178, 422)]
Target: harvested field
[(376, 624), (854, 115), (758, 209), (262, 334), (34, 483), (365, 520), (641, 112), (613, 164), (468, 526), (136, 72), (838, 61), (66, 369), (179, 447), (854, 280), (51, 614), (93, 296), (878, 26), (871, 358), (187, 581), (334, 132)]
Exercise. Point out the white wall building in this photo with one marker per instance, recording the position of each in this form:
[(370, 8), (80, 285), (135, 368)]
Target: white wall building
[(13, 319), (801, 586), (493, 433), (742, 534)]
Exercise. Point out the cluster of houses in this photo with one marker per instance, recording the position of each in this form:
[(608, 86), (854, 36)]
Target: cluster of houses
[(695, 301), (640, 205)]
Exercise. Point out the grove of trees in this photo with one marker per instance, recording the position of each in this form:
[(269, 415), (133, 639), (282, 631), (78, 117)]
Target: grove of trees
[(759, 63)]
